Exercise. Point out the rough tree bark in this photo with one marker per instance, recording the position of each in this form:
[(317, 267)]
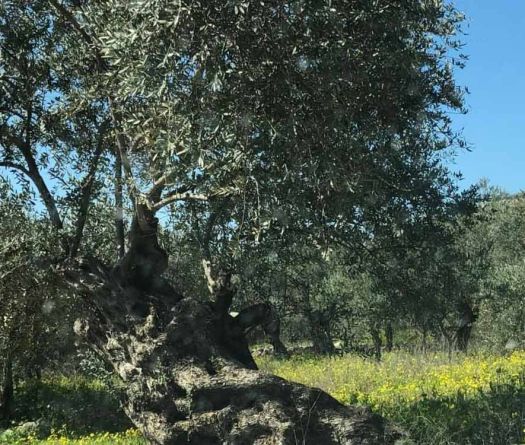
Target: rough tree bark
[(190, 377)]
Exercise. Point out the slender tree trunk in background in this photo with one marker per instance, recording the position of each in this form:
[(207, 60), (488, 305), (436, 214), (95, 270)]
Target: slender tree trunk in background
[(38, 358), (85, 194), (321, 340), (389, 336), (188, 372), (272, 328), (7, 389), (448, 340), (378, 342), (463, 337), (119, 207), (467, 317), (424, 346)]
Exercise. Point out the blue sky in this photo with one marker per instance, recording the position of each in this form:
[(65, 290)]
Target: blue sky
[(495, 76)]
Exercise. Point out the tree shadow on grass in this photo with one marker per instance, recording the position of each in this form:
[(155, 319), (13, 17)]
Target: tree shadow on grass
[(73, 405)]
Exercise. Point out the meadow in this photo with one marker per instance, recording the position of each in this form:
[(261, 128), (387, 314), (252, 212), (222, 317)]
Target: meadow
[(436, 398)]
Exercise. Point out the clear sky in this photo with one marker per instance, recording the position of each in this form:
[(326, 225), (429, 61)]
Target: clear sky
[(495, 76)]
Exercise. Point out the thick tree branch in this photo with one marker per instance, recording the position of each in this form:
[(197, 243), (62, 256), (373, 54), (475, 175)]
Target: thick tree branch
[(208, 273), (9, 139), (263, 315), (159, 185), (34, 173), (123, 151), (219, 282), (86, 190), (15, 166), (175, 196), (42, 188)]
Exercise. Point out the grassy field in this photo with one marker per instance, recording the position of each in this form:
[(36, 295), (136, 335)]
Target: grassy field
[(129, 437), (437, 400)]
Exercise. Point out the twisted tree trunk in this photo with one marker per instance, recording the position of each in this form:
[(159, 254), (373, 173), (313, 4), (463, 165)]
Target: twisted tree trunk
[(190, 377)]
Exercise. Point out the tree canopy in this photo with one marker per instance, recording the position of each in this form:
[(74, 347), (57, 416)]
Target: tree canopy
[(304, 139), (325, 118)]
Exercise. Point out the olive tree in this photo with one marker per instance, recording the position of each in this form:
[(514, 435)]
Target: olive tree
[(250, 122), (26, 292)]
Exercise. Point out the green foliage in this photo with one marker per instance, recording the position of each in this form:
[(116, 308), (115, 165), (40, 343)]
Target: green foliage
[(498, 238), (285, 131), (299, 144), (60, 437), (27, 291), (261, 119), (496, 416)]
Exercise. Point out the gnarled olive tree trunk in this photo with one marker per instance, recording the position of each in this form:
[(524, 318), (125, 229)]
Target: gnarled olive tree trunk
[(190, 377)]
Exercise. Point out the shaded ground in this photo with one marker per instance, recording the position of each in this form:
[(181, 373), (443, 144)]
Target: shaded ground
[(77, 405)]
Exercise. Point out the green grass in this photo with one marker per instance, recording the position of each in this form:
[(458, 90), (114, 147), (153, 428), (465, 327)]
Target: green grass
[(79, 404), (130, 437), (469, 400), (70, 410)]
